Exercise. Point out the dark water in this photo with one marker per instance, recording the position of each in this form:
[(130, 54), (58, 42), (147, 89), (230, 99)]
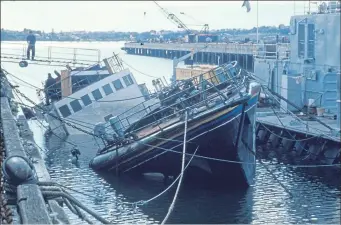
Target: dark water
[(316, 195)]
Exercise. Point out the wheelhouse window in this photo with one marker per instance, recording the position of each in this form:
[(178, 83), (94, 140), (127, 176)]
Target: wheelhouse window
[(107, 89), (75, 105), (117, 84), (97, 94), (86, 100), (128, 80), (65, 111)]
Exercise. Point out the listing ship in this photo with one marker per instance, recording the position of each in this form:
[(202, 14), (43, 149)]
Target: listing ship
[(220, 125)]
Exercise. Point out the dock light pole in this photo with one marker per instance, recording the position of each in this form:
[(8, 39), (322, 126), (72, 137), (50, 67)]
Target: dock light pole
[(257, 21)]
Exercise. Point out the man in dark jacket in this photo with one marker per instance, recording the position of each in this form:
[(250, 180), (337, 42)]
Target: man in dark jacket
[(49, 88), (31, 41)]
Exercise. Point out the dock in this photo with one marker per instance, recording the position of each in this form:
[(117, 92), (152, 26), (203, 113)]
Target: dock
[(28, 194), (302, 136), (215, 53), (21, 153)]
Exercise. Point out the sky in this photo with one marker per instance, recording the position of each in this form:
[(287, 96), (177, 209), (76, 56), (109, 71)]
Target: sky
[(129, 15)]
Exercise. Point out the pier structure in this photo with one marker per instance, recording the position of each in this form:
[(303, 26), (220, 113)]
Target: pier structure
[(23, 168), (214, 53)]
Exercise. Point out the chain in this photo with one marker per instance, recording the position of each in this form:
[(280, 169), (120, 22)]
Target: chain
[(56, 117)]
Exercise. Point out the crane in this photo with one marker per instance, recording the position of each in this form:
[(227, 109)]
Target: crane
[(205, 27), (172, 17)]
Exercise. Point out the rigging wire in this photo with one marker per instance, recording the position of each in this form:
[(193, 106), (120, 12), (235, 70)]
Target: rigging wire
[(148, 75), (238, 162), (144, 202), (44, 125)]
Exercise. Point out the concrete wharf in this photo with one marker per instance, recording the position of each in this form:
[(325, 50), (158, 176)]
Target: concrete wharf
[(26, 167)]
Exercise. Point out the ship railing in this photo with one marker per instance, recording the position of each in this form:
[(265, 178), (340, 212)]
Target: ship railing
[(198, 104), (318, 7), (272, 51), (51, 54), (123, 118), (85, 82)]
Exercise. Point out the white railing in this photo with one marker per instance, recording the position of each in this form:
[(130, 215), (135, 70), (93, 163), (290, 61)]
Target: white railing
[(17, 51), (318, 7), (272, 51)]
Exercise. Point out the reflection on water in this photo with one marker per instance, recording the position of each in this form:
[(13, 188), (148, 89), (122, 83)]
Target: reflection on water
[(265, 202)]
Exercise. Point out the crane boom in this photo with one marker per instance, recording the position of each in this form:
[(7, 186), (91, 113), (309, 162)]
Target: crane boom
[(172, 17)]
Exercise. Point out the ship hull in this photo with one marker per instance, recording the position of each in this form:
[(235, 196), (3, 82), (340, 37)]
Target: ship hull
[(216, 136)]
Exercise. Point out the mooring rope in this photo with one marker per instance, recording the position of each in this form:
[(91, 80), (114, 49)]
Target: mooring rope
[(171, 207)]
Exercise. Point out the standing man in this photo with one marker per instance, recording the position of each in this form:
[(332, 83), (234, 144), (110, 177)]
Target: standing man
[(49, 89), (31, 41)]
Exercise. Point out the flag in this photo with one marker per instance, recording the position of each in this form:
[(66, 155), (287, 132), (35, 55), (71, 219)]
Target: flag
[(246, 3)]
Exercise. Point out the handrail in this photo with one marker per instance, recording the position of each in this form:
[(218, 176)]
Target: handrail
[(321, 7), (51, 53), (85, 79), (177, 103), (234, 63), (273, 51), (182, 110)]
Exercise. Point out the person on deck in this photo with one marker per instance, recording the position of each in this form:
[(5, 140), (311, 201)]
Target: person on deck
[(31, 41), (49, 88)]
